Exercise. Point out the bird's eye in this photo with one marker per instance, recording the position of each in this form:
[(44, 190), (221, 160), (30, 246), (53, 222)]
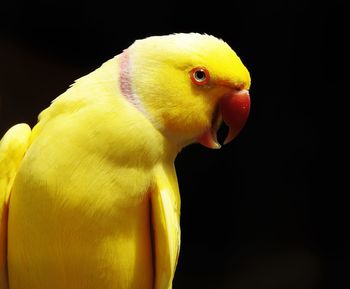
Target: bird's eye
[(200, 76)]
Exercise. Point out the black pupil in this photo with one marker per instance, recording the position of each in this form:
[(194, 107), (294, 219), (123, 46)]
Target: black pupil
[(200, 75)]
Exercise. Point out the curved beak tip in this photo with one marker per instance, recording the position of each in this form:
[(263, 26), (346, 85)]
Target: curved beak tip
[(234, 108)]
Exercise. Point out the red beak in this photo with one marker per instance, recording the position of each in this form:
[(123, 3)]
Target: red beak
[(234, 108)]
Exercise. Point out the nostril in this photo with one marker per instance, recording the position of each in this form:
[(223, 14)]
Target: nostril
[(240, 86)]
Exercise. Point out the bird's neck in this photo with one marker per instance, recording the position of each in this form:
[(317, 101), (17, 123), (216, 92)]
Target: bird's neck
[(100, 102)]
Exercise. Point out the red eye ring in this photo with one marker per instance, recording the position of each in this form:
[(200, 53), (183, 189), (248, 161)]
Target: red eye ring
[(200, 75)]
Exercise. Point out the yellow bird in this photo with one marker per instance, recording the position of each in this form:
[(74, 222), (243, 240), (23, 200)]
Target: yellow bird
[(89, 198)]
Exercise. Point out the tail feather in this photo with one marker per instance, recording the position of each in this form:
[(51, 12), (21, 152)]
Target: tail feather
[(13, 146)]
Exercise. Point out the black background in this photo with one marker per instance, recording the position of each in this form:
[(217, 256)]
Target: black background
[(269, 210)]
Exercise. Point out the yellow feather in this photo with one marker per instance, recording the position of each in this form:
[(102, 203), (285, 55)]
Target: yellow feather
[(94, 202), (166, 224), (12, 149), (180, 109), (79, 209)]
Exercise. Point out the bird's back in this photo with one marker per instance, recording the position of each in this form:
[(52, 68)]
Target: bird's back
[(79, 214)]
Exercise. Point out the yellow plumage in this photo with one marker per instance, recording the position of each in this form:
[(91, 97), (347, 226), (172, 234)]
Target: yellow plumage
[(94, 202), (12, 148)]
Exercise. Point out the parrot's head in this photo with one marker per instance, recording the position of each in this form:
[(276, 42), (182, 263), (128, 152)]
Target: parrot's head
[(186, 85)]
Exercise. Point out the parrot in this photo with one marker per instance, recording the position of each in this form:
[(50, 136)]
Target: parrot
[(89, 196)]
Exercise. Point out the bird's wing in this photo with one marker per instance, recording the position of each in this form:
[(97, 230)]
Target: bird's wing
[(12, 149), (166, 225)]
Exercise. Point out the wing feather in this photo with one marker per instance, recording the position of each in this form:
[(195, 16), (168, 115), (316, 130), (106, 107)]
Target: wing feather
[(166, 225), (12, 149)]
